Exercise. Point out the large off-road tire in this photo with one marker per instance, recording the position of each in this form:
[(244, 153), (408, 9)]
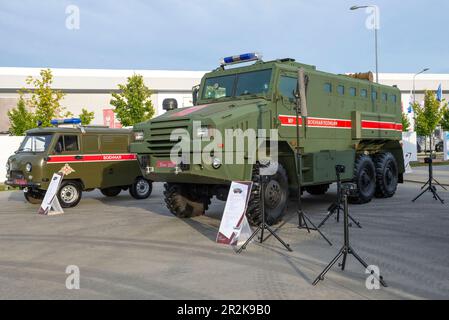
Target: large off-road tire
[(70, 194), (276, 197), (365, 179), (387, 176), (183, 203), (141, 189), (111, 192), (34, 197), (318, 190)]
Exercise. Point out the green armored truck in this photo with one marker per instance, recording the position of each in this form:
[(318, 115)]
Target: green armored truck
[(90, 157), (344, 120)]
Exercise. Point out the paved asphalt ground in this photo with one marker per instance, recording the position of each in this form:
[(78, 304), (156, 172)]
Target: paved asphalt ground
[(137, 250)]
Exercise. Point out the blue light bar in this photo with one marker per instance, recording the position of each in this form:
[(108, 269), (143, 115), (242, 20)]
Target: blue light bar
[(73, 121), (246, 57)]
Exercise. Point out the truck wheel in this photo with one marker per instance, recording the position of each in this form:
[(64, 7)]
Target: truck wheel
[(141, 189), (386, 174), (69, 194), (34, 197), (111, 192), (365, 178), (182, 203), (276, 197), (318, 190)]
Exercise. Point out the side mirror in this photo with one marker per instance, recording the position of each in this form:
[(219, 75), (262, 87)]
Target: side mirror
[(195, 92), (169, 104)]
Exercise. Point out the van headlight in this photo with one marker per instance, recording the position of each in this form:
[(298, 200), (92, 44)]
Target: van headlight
[(139, 135), (29, 167)]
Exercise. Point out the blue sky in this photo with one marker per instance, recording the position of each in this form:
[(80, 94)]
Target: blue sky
[(195, 34)]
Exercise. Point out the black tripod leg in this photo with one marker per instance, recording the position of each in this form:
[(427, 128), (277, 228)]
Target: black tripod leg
[(302, 222), (345, 256), (315, 228), (329, 266), (424, 186), (381, 279), (262, 233), (250, 239), (329, 215), (356, 222), (436, 181), (437, 197), (287, 246), (420, 195)]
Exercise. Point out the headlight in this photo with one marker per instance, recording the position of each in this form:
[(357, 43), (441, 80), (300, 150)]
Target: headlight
[(29, 167), (216, 163), (202, 132), (139, 135)]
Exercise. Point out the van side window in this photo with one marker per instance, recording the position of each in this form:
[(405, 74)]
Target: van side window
[(67, 143), (287, 85), (341, 90), (328, 87)]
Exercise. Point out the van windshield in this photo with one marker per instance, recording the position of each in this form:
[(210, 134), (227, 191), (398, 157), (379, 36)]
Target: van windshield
[(238, 85), (38, 143)]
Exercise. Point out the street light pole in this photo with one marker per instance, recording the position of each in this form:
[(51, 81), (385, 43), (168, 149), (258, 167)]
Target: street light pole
[(376, 39), (414, 82)]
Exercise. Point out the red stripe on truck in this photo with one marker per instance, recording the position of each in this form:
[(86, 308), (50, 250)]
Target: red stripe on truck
[(92, 158)]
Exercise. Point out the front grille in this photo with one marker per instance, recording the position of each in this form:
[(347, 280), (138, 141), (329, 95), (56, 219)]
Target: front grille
[(16, 175), (159, 143)]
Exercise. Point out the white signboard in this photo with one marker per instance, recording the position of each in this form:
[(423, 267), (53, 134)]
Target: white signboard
[(446, 145), (410, 145), (50, 205), (234, 227)]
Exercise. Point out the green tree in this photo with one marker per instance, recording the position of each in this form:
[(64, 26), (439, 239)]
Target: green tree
[(405, 123), (86, 117), (20, 119), (429, 116), (445, 120), (45, 101), (133, 104)]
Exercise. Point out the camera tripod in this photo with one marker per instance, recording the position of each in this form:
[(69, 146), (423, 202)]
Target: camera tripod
[(346, 249), (430, 184), (337, 207), (263, 225)]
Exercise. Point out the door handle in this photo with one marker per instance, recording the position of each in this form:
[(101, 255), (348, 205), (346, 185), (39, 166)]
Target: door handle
[(79, 158)]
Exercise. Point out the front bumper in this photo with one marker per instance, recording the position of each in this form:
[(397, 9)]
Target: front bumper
[(22, 184)]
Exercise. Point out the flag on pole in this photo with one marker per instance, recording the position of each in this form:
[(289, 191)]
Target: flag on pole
[(440, 93), (410, 105)]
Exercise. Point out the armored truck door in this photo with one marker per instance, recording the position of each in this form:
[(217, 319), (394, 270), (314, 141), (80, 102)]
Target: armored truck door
[(286, 105)]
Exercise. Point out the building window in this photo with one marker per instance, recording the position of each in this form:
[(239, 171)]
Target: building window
[(341, 90), (328, 87), (393, 98), (374, 95), (384, 97), (364, 93), (353, 92)]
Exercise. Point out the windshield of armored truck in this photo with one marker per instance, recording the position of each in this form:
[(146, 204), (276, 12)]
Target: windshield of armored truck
[(37, 143), (237, 85)]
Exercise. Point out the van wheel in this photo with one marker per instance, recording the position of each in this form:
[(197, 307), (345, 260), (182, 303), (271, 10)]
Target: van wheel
[(183, 203), (365, 178), (34, 197), (70, 194), (141, 189), (387, 175), (111, 192), (276, 197), (318, 190)]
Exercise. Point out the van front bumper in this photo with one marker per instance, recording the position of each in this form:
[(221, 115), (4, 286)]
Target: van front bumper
[(19, 183)]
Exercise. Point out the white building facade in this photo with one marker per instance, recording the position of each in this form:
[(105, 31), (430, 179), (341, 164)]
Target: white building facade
[(91, 89)]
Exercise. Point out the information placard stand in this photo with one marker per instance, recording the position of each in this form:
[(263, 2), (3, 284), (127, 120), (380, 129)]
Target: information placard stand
[(50, 205)]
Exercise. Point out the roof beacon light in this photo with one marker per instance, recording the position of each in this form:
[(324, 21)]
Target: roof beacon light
[(246, 57), (74, 121)]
